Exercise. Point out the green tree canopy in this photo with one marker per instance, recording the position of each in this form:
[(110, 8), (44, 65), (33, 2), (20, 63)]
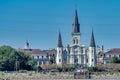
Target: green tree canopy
[(10, 59), (114, 59)]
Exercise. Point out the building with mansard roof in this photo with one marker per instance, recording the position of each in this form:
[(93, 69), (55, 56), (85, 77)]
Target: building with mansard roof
[(76, 53)]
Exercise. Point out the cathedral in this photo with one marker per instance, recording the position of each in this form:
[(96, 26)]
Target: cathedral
[(76, 53)]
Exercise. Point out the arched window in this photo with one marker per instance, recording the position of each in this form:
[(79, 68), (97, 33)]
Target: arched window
[(92, 60), (76, 41), (73, 41)]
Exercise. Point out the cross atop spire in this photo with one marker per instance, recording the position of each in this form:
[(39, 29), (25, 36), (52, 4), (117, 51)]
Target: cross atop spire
[(92, 43), (76, 23), (59, 40)]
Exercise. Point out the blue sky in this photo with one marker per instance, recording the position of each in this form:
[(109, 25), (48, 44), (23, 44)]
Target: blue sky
[(39, 21)]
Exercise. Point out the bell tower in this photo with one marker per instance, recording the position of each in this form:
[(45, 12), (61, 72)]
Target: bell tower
[(76, 30), (59, 56), (92, 51)]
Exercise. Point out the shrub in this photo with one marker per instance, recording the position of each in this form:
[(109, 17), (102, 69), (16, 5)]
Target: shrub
[(59, 69), (92, 68), (39, 68), (30, 74)]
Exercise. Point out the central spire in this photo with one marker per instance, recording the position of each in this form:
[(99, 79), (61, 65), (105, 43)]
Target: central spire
[(60, 40), (76, 23)]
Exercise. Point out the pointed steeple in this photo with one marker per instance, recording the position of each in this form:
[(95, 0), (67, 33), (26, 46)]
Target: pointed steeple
[(92, 43), (59, 40), (76, 23)]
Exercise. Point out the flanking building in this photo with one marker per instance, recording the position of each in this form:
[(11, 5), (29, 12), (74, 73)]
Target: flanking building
[(41, 57), (76, 53), (111, 53)]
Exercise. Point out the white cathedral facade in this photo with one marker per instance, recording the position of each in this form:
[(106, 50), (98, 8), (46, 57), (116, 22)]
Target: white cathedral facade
[(76, 53)]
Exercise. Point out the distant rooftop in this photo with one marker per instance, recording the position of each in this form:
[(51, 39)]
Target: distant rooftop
[(114, 51), (33, 51), (37, 51)]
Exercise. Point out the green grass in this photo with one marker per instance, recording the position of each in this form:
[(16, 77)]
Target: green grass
[(30, 74), (2, 74)]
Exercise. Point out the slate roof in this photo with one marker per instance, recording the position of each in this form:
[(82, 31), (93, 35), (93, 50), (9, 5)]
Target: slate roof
[(59, 40), (33, 51), (76, 23), (92, 42), (113, 51), (50, 51)]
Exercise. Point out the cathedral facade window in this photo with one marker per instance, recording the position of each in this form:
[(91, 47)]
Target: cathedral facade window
[(92, 60), (73, 41), (59, 51), (87, 60), (76, 41), (81, 50), (59, 60)]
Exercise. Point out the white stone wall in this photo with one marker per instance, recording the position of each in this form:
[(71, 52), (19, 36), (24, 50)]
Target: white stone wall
[(112, 55), (59, 56), (109, 56), (40, 58), (76, 39), (92, 57)]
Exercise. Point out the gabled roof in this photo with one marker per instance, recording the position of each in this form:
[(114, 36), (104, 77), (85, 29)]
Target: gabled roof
[(113, 51)]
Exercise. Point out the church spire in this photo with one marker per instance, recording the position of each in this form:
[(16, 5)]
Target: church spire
[(60, 40), (76, 23), (92, 43)]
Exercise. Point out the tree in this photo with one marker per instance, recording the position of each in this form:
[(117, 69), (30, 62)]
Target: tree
[(114, 60), (10, 59)]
